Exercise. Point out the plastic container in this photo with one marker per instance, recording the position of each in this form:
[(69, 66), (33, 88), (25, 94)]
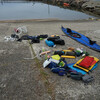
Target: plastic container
[(20, 30)]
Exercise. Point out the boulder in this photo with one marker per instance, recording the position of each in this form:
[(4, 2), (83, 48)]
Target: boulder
[(97, 11), (92, 6)]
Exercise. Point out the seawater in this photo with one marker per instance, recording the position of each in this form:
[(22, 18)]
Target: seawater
[(37, 10)]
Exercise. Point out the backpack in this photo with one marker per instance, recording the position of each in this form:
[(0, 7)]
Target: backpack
[(56, 40), (59, 41), (76, 75), (42, 36), (87, 78), (59, 53)]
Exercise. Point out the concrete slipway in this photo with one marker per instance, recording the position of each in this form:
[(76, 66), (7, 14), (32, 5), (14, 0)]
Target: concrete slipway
[(22, 79)]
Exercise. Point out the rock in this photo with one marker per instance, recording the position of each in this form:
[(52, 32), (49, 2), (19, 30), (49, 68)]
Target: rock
[(92, 6), (97, 11)]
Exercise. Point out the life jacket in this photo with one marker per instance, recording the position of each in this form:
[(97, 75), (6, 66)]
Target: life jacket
[(87, 66), (55, 57), (86, 62)]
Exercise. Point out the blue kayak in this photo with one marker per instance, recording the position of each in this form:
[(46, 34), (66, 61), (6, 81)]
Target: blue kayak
[(81, 39)]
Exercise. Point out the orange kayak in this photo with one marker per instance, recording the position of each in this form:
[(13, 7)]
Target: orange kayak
[(66, 4)]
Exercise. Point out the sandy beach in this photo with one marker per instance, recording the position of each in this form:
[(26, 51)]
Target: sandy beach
[(23, 79)]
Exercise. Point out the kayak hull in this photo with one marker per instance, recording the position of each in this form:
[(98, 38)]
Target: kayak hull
[(83, 39)]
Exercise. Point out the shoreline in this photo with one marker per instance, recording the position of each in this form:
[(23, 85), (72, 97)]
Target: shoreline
[(48, 19)]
